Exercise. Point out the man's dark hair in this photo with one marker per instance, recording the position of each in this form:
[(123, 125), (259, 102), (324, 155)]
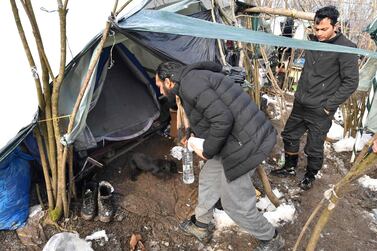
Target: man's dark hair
[(166, 70), (327, 12)]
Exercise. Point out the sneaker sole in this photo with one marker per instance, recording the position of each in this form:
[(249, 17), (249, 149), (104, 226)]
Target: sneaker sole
[(87, 216), (105, 219)]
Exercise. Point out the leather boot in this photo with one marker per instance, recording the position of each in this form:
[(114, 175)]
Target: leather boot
[(89, 201), (307, 182), (289, 167), (105, 204)]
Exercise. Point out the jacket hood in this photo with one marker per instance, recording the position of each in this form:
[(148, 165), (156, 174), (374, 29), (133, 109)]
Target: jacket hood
[(182, 72)]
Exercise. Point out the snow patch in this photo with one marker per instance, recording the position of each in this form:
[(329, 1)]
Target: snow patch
[(264, 204), (368, 182), (277, 216), (344, 145), (97, 236), (318, 175), (336, 131), (222, 219), (277, 193), (283, 214)]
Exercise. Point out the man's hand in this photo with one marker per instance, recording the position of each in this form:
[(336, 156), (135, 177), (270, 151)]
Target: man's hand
[(184, 141), (374, 146)]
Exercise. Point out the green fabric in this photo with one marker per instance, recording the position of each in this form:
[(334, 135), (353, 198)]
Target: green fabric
[(367, 73), (372, 30)]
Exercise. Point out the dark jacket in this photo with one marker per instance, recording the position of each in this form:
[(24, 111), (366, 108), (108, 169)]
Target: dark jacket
[(224, 115), (328, 78)]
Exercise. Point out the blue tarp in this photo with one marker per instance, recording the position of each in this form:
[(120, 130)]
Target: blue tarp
[(14, 190)]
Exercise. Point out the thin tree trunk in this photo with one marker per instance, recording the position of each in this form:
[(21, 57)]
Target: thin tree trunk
[(93, 63), (55, 114), (42, 154), (72, 185), (365, 162), (46, 72), (29, 56)]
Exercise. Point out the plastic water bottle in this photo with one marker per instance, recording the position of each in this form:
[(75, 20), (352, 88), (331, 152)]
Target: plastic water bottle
[(187, 166)]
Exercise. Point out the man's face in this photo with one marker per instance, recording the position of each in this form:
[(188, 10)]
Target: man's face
[(165, 86), (324, 30)]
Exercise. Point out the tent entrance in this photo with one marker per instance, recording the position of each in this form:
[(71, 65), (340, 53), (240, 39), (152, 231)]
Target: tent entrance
[(124, 103)]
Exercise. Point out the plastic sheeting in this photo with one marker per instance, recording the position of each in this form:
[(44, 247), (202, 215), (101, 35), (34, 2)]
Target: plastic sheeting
[(14, 190), (167, 22), (187, 49)]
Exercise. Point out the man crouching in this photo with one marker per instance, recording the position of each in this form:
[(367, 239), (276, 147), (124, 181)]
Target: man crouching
[(237, 136)]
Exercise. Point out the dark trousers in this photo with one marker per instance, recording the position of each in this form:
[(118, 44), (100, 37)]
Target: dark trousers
[(316, 123)]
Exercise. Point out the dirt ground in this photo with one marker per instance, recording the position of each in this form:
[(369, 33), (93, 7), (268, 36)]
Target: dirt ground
[(153, 207)]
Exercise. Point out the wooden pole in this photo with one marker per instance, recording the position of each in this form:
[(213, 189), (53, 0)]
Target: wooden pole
[(283, 12)]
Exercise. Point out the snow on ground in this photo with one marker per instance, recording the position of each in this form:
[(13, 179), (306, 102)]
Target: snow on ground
[(222, 220), (283, 214), (276, 216), (336, 131), (97, 235), (344, 145), (368, 182), (318, 175)]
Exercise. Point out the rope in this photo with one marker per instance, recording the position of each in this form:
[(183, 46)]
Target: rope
[(34, 72), (44, 120), (48, 11), (328, 194), (111, 34)]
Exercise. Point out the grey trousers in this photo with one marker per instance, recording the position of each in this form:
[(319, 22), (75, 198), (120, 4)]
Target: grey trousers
[(237, 198)]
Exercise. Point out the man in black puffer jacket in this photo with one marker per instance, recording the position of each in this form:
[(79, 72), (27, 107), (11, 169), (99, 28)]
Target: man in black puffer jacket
[(237, 136), (327, 80)]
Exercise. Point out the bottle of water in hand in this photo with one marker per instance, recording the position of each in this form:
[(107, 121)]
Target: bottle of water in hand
[(187, 166)]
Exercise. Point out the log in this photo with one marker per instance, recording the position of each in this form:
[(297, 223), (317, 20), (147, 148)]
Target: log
[(283, 12)]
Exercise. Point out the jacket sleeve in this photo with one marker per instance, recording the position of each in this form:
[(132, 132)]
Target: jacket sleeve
[(220, 118), (349, 76)]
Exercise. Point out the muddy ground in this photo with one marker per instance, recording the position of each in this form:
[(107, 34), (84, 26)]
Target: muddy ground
[(152, 207)]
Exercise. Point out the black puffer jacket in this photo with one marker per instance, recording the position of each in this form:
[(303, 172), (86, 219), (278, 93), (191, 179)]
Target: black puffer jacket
[(224, 115), (328, 78)]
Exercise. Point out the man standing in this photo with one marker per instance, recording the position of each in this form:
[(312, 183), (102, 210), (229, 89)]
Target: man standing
[(327, 80), (237, 136)]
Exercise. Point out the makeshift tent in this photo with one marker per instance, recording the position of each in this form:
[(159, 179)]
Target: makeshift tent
[(140, 41)]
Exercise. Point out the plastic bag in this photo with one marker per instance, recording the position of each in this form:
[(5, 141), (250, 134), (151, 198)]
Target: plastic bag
[(67, 242), (14, 190)]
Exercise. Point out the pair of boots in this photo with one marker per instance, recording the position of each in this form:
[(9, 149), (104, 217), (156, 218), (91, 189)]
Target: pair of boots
[(97, 197), (289, 169)]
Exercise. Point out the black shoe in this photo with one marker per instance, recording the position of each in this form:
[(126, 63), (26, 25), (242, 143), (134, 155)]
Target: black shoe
[(275, 244), (307, 182), (203, 234), (89, 201), (105, 205), (289, 167)]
